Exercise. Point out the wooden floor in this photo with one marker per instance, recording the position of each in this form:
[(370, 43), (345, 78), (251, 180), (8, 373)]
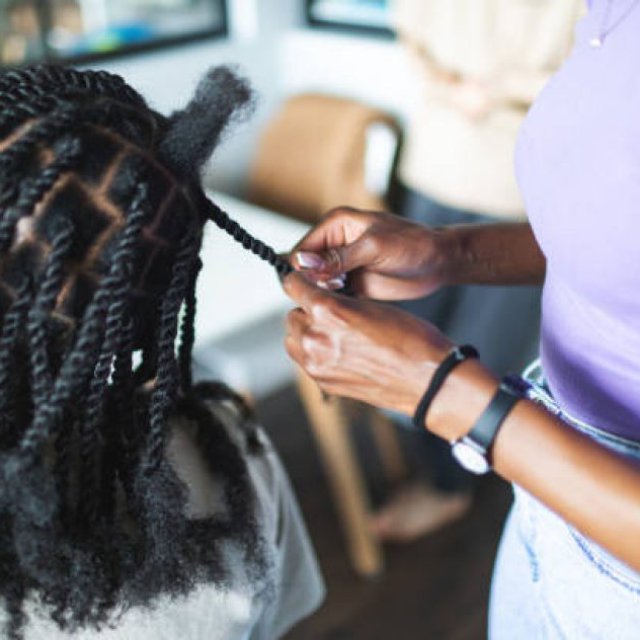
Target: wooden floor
[(435, 588)]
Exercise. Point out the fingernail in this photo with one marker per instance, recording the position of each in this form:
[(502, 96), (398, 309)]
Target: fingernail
[(332, 284), (336, 283), (308, 260)]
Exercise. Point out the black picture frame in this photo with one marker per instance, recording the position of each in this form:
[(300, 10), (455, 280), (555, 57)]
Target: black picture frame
[(350, 26), (220, 30)]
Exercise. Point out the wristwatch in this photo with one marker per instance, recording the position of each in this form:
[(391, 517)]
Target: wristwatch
[(472, 451)]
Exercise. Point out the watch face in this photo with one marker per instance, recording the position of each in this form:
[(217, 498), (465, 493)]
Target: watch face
[(469, 457)]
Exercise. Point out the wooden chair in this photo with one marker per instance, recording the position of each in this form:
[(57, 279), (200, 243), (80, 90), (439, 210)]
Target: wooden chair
[(319, 152)]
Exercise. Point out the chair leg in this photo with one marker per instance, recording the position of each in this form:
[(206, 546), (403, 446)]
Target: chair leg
[(389, 449), (331, 431)]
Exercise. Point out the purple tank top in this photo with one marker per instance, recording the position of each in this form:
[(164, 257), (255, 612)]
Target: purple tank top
[(578, 165)]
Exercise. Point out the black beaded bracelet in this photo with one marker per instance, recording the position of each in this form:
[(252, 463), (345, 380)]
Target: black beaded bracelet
[(456, 356)]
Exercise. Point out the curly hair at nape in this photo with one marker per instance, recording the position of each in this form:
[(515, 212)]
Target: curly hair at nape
[(101, 219)]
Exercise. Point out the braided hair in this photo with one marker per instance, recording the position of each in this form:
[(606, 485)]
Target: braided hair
[(101, 217)]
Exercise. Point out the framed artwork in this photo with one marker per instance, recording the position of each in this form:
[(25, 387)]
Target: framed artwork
[(366, 16), (84, 30)]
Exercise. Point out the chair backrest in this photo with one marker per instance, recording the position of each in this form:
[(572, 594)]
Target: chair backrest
[(312, 156)]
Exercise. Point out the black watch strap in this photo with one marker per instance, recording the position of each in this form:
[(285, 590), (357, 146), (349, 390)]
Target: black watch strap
[(485, 429)]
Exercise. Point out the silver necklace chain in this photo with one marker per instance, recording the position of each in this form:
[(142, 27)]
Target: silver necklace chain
[(605, 29)]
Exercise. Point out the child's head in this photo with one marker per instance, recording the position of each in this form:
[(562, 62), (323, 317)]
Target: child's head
[(101, 216)]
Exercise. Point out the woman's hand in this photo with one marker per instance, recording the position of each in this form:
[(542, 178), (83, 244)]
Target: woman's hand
[(361, 349), (387, 257), (391, 258)]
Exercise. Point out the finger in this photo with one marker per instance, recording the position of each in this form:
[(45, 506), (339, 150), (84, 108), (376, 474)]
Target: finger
[(296, 322), (335, 228), (294, 349), (303, 344), (338, 260), (297, 326), (327, 263), (333, 284), (378, 286), (303, 292)]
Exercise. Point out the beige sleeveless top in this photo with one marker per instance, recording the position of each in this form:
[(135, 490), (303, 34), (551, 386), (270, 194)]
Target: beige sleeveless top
[(464, 164)]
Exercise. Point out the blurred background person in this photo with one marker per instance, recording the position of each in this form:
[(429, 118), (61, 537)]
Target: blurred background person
[(480, 64)]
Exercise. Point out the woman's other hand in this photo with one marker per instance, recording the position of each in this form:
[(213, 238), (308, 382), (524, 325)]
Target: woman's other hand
[(386, 257), (361, 349)]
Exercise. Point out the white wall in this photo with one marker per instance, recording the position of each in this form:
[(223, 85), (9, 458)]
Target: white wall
[(371, 69), (167, 78), (280, 57)]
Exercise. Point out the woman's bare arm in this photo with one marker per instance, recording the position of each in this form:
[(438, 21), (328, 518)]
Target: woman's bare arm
[(501, 253), (386, 357), (392, 258), (593, 489)]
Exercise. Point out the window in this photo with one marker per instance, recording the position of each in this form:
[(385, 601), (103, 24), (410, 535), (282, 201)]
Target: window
[(82, 30), (368, 16)]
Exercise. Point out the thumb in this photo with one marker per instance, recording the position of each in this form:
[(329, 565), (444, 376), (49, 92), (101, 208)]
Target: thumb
[(303, 292), (336, 261)]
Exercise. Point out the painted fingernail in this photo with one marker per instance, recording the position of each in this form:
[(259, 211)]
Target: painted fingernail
[(308, 260), (332, 284), (336, 283)]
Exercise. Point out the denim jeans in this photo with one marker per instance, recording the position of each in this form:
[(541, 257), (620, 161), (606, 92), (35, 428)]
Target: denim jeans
[(551, 582)]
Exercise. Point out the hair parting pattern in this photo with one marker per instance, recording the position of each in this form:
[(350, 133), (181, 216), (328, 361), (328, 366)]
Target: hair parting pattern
[(100, 229)]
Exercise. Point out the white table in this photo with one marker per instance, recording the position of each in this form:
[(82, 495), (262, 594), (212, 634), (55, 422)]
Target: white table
[(240, 301)]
